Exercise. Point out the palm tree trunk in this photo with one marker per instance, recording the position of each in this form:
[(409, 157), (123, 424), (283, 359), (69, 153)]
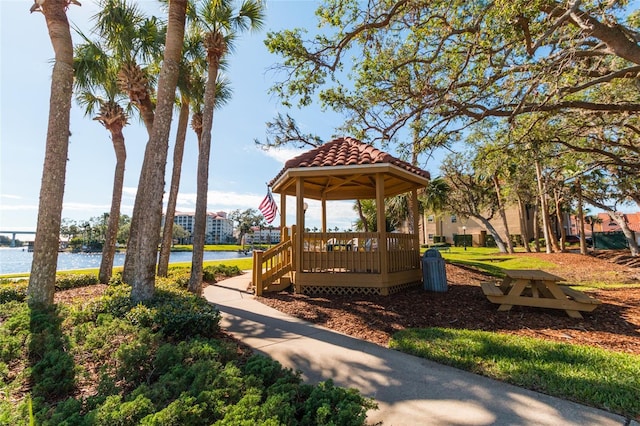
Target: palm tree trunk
[(363, 218), (109, 249), (151, 188), (178, 151), (45, 254), (200, 220)]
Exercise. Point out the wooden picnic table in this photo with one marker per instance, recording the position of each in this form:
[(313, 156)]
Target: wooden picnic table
[(532, 287)]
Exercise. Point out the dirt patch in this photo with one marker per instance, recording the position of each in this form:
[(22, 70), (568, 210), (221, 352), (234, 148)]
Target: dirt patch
[(614, 325)]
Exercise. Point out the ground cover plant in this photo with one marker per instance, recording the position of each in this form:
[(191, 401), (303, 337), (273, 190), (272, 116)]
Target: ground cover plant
[(98, 359)]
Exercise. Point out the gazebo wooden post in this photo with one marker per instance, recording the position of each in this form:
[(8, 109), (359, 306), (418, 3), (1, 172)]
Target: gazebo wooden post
[(299, 237), (382, 231), (283, 217), (324, 219), (324, 213), (416, 219)]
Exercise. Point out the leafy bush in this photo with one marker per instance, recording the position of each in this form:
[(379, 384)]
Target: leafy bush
[(67, 281), (210, 272), (157, 363), (52, 370), (115, 412), (188, 316), (13, 290)]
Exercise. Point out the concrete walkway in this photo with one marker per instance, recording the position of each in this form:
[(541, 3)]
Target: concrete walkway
[(409, 390)]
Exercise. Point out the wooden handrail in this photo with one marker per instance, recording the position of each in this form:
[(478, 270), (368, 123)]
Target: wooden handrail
[(271, 265)]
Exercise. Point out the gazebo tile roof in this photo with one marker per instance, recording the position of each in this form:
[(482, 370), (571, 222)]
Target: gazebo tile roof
[(346, 151)]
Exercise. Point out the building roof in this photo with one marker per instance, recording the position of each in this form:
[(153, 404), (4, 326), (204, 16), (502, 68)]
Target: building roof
[(340, 158), (608, 225)]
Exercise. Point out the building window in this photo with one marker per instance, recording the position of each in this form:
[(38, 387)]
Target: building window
[(454, 219), (430, 237), (430, 219)]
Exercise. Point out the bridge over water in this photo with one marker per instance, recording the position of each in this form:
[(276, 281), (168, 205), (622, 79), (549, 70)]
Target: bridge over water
[(14, 233)]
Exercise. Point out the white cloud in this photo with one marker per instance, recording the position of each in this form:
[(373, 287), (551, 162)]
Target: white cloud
[(282, 155), (11, 196), (17, 207)]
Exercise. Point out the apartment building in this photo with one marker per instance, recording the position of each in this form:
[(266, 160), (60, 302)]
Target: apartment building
[(219, 228), (257, 235), (446, 227)]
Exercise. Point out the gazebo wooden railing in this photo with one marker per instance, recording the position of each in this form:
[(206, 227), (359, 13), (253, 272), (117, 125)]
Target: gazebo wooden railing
[(356, 252), (339, 263), (271, 268)]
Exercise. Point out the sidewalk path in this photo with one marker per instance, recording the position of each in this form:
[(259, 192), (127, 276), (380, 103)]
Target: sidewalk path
[(409, 390)]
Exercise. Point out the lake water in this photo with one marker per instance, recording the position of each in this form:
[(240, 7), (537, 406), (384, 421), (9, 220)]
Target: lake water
[(18, 260)]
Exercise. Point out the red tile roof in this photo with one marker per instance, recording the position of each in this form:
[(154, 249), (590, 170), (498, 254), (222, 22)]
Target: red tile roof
[(347, 151), (608, 225)]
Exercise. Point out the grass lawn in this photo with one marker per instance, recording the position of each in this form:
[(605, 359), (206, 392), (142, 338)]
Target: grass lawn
[(591, 376)]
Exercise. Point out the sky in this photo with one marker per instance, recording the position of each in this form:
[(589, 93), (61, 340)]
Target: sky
[(239, 170)]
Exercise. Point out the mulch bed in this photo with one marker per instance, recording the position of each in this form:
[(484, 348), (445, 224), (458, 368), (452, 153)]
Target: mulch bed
[(614, 325)]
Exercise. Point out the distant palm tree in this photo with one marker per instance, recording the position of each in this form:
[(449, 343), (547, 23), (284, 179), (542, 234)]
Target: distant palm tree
[(220, 24), (434, 198), (95, 72), (45, 253)]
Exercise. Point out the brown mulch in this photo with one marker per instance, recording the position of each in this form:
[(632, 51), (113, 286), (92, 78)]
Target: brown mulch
[(614, 325)]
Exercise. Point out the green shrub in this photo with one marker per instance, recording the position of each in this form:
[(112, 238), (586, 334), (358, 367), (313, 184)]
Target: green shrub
[(180, 315), (269, 372), (116, 301), (135, 358), (180, 277), (211, 271), (14, 331), (67, 281), (68, 412), (157, 363), (183, 411), (142, 315), (115, 412), (13, 290), (53, 370), (330, 405)]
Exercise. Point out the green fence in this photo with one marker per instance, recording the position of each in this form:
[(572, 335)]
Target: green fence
[(610, 240)]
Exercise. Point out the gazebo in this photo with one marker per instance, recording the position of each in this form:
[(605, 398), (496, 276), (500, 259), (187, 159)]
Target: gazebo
[(378, 262)]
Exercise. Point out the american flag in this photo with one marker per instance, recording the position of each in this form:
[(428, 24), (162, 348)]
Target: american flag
[(268, 207)]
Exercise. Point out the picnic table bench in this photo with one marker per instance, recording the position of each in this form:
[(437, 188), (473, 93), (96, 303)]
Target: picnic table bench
[(528, 287)]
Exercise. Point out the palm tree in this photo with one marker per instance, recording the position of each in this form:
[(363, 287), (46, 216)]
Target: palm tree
[(136, 43), (434, 198), (190, 84), (220, 24), (95, 72), (147, 214), (45, 254)]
